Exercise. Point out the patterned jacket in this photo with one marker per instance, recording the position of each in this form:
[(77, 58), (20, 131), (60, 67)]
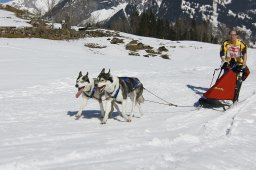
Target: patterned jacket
[(235, 52)]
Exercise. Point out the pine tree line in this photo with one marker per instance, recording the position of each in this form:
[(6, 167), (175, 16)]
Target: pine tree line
[(147, 24)]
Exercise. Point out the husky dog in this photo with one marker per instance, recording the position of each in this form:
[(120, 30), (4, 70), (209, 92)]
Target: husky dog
[(117, 89), (87, 87)]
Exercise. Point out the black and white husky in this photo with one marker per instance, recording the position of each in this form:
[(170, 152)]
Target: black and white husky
[(117, 90), (86, 87)]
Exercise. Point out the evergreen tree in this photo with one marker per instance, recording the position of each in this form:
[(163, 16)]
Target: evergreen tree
[(134, 23), (147, 24)]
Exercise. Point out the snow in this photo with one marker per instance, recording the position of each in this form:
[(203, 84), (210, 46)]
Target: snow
[(37, 101), (8, 19), (186, 6), (215, 13), (55, 25), (159, 2), (225, 1), (231, 13), (33, 6), (103, 14)]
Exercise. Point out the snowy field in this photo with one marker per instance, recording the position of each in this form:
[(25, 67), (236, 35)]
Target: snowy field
[(37, 106), (37, 101)]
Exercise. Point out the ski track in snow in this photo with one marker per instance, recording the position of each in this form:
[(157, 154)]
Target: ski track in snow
[(38, 130)]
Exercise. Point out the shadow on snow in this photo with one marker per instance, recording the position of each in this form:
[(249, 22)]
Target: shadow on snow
[(90, 114)]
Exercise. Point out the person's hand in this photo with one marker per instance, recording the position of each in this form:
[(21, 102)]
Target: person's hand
[(224, 64), (244, 65)]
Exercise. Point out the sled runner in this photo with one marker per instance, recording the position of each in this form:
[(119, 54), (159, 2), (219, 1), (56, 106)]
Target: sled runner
[(226, 87)]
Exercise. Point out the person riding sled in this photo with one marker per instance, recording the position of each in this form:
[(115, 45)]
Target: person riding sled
[(233, 53)]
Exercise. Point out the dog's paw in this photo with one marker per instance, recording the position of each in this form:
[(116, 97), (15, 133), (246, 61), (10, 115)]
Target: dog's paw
[(110, 116), (129, 119), (77, 117), (103, 122)]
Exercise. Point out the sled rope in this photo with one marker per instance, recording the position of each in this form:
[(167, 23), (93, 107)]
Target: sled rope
[(151, 101), (166, 102)]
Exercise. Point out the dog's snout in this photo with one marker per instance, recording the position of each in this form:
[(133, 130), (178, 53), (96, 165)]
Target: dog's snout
[(76, 85)]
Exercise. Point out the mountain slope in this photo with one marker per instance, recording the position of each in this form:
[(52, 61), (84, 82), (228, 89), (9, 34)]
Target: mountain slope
[(227, 14), (34, 6), (9, 19), (232, 13)]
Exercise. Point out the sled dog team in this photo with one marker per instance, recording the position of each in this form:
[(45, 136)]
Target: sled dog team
[(111, 91)]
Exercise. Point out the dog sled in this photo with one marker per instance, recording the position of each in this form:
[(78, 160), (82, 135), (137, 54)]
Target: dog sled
[(226, 88)]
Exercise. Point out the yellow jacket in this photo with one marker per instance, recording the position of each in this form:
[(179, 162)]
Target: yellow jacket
[(235, 51)]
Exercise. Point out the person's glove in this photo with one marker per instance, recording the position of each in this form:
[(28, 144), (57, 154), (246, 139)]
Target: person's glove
[(224, 64)]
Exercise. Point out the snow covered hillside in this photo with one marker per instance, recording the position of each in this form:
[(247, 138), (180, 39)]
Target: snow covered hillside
[(103, 14), (37, 101), (8, 19), (34, 6)]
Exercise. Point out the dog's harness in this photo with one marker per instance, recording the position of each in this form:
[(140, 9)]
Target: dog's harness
[(115, 95), (92, 93), (132, 83)]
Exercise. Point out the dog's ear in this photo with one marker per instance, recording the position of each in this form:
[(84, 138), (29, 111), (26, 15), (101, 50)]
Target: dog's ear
[(109, 77), (103, 70), (80, 75), (87, 77), (108, 74)]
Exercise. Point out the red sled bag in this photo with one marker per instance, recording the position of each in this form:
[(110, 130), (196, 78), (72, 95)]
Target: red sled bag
[(224, 87)]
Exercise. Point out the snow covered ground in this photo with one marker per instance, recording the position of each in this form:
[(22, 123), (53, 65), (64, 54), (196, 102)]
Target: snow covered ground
[(37, 101), (8, 19), (37, 107)]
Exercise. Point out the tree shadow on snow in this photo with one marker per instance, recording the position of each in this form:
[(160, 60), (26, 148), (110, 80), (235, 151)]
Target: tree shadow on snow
[(90, 114)]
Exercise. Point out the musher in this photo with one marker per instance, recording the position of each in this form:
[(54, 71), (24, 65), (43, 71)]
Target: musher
[(234, 52)]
